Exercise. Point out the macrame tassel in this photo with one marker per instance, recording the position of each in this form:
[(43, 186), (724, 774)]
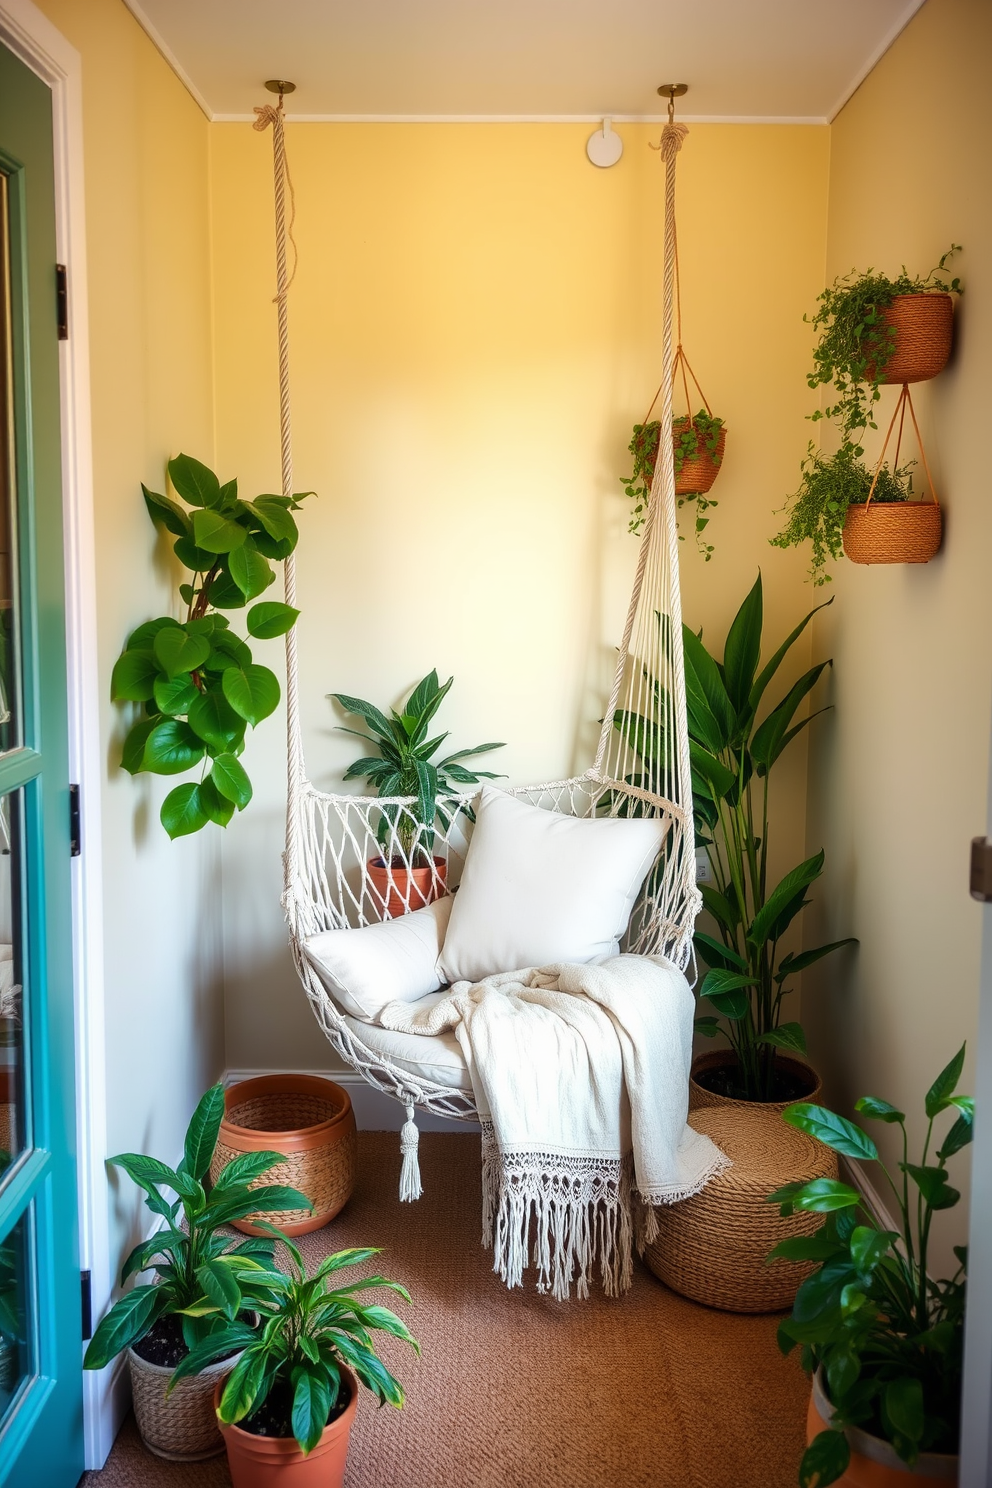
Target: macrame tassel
[(410, 1186)]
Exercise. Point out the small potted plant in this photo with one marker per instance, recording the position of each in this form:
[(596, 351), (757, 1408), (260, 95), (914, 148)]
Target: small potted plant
[(191, 1257), (698, 444), (287, 1407), (830, 485), (197, 682), (407, 875), (882, 1338)]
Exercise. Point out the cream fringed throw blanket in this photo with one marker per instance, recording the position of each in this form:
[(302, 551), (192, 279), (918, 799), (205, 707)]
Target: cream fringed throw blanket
[(576, 1071)]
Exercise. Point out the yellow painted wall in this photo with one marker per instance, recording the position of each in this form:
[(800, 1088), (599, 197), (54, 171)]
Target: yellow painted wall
[(475, 328), (146, 163), (898, 780)]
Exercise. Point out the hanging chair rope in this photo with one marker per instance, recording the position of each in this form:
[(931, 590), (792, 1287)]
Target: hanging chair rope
[(331, 837)]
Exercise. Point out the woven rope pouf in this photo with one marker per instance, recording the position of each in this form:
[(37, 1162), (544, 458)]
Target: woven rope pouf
[(712, 1247)]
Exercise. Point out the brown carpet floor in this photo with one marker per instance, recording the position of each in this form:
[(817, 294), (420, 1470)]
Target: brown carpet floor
[(516, 1390)]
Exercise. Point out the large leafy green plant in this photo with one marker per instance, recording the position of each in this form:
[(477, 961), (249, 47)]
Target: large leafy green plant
[(404, 766), (732, 755), (305, 1333), (190, 1255), (887, 1336), (196, 677)]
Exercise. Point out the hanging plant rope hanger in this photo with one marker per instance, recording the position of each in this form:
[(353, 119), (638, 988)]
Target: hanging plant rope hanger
[(895, 531)]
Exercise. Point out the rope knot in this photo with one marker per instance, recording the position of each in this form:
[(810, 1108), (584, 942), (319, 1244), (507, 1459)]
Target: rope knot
[(266, 115), (672, 138)]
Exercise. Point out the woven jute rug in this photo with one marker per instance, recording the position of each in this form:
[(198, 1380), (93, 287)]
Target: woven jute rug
[(516, 1390)]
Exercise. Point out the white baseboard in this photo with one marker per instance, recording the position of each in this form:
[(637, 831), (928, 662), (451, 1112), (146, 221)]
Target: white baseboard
[(373, 1110)]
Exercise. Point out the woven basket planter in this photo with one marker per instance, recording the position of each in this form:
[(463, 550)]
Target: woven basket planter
[(892, 531), (874, 1463), (182, 1427), (924, 327), (713, 1247), (700, 1097), (700, 471), (311, 1122)]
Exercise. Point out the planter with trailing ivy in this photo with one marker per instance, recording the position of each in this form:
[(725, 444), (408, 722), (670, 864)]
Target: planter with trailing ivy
[(698, 445)]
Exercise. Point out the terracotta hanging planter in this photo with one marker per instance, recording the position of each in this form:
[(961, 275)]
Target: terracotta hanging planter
[(308, 1119), (895, 531), (398, 889), (699, 471), (277, 1461), (874, 1463), (924, 330)]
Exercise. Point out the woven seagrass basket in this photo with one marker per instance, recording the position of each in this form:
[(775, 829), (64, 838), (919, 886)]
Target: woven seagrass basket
[(924, 327), (182, 1426), (804, 1074), (712, 1247), (309, 1121), (892, 531), (700, 470)]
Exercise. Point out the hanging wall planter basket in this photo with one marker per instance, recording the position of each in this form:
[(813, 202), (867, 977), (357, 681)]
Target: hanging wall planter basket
[(698, 471), (924, 329), (311, 1122), (895, 531), (713, 1247)]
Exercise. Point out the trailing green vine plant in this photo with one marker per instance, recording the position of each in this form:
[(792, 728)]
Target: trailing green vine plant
[(196, 678), (691, 437)]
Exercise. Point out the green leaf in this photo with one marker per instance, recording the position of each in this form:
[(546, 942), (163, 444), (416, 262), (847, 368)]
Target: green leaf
[(133, 677), (782, 895), (743, 647), (195, 482), (834, 1131), (943, 1087), (826, 1459), (214, 721), (242, 1170), (769, 740), (271, 619), (903, 1401), (221, 1287), (708, 1027), (171, 748), (228, 775), (126, 1322), (723, 910), (311, 1405), (249, 570), (868, 1246), (959, 1136), (253, 692), (278, 523), (133, 753), (819, 1196), (243, 1386), (183, 811), (203, 1131), (215, 533), (933, 1185), (768, 672), (224, 592), (163, 509), (725, 991), (226, 1340), (175, 695), (143, 636), (177, 652), (192, 557), (376, 721), (818, 1247), (785, 1036), (706, 765), (706, 693), (790, 964), (715, 954), (878, 1110)]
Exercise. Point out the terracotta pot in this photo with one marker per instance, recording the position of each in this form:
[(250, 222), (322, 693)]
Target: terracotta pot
[(308, 1119), (398, 890), (181, 1427), (924, 327), (874, 1464), (277, 1462), (700, 1097), (892, 531)]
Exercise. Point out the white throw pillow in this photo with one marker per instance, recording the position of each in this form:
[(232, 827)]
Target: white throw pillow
[(392, 962), (540, 887)]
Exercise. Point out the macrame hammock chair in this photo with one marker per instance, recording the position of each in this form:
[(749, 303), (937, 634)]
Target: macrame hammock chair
[(330, 837)]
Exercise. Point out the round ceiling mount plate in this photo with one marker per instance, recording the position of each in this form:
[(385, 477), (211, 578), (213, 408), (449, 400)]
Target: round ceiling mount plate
[(279, 85), (673, 90), (604, 147)]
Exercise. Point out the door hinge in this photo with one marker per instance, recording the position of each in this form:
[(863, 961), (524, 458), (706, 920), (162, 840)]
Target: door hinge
[(75, 830), (981, 869), (86, 1299), (62, 301)]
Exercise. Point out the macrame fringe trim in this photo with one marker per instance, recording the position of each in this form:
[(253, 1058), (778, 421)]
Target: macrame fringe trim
[(569, 1216), (410, 1185)]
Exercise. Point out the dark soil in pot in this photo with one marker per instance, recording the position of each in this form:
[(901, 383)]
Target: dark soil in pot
[(164, 1344), (274, 1416), (788, 1083)]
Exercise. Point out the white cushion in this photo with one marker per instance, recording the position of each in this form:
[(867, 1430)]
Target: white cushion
[(392, 962), (540, 887), (437, 1058)]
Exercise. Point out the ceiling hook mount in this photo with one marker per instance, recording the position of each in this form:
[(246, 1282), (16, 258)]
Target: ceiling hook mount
[(671, 91), (280, 86)]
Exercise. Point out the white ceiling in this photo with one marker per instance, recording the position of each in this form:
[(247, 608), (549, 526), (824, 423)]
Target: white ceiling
[(744, 59)]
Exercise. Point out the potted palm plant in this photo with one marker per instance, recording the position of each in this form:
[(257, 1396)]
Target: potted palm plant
[(287, 1407), (881, 1337), (421, 790), (197, 682), (191, 1256)]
